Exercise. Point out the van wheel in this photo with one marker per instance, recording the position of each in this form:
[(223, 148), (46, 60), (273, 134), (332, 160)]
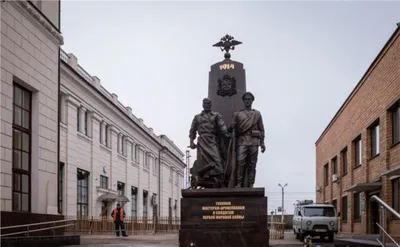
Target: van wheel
[(301, 237), (330, 237)]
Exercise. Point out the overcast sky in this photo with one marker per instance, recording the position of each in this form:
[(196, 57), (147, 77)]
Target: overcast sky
[(302, 60)]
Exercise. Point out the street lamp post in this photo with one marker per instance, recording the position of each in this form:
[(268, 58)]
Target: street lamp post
[(283, 201)]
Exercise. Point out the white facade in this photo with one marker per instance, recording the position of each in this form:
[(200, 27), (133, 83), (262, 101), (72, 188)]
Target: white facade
[(102, 137), (30, 41)]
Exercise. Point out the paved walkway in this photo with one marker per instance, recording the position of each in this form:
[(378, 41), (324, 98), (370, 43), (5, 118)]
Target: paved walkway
[(172, 241)]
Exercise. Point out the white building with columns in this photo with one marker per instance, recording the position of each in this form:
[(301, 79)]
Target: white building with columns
[(107, 155), (30, 44)]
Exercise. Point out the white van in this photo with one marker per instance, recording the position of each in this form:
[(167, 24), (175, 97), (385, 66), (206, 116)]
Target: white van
[(315, 220)]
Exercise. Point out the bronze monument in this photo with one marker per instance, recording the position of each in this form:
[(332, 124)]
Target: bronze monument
[(225, 160), (221, 208)]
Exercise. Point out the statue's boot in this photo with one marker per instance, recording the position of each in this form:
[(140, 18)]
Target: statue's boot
[(251, 173), (239, 176)]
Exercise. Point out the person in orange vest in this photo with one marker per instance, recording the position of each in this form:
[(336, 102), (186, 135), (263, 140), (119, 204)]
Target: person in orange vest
[(118, 215)]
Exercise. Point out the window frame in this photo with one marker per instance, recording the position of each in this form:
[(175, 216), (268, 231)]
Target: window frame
[(145, 203), (395, 122), (326, 174), (344, 161), (80, 204), (78, 118), (170, 207), (357, 210), (134, 200), (374, 138), (120, 192), (396, 193), (106, 140), (103, 180), (334, 165), (357, 147), (86, 123), (19, 171)]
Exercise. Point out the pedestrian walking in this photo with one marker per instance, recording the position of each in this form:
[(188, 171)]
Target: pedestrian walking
[(118, 215)]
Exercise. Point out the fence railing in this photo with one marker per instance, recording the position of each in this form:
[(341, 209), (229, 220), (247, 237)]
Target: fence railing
[(276, 230), (133, 225), (27, 229)]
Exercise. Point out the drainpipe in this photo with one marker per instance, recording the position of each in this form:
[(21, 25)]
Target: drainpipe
[(159, 179)]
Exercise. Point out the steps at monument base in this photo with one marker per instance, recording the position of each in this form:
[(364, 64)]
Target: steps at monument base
[(42, 241), (361, 241)]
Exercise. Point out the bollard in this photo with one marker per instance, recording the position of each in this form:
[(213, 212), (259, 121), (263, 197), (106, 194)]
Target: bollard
[(307, 241)]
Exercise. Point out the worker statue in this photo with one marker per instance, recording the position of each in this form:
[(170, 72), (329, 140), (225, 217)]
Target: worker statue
[(209, 164), (248, 134)]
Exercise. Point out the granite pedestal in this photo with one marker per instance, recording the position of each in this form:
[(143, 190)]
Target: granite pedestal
[(224, 218)]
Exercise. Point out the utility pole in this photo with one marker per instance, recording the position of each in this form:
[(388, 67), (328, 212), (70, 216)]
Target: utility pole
[(283, 201)]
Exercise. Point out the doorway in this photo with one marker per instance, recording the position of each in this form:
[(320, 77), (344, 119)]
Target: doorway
[(104, 209), (375, 217)]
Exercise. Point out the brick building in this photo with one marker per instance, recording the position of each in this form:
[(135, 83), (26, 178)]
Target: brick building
[(358, 154)]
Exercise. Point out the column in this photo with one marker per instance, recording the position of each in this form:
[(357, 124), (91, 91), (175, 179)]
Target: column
[(63, 109), (95, 206), (71, 157)]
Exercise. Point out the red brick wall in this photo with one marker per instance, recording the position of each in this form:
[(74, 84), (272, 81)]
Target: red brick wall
[(379, 91)]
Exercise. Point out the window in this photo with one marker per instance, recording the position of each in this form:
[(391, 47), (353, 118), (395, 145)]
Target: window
[(154, 204), (21, 160), (169, 207), (374, 134), (123, 142), (395, 112), (396, 194), (344, 209), (319, 211), (103, 182), (344, 161), (146, 161), (326, 174), (101, 132), (78, 119), (120, 188), (154, 165), (132, 152), (61, 166), (357, 206), (334, 164), (134, 201), (106, 136), (119, 144), (86, 126), (176, 208), (145, 201), (136, 152), (357, 151), (82, 193)]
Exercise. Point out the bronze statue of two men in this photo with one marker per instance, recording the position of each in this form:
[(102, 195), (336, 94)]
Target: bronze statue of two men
[(246, 135)]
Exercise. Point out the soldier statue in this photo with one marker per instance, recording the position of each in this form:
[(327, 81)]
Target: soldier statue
[(248, 129), (209, 125)]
